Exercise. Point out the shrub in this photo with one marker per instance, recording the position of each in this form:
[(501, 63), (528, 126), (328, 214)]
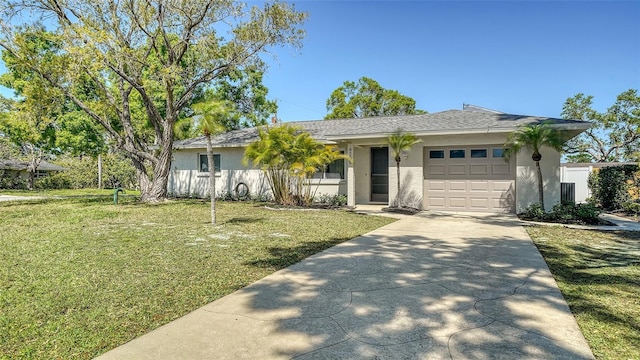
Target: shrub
[(83, 172), (263, 197), (533, 212), (632, 207), (11, 182), (54, 181), (565, 212), (587, 213), (116, 166), (331, 200), (612, 186)]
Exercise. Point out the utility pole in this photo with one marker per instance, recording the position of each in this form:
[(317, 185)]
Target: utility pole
[(99, 171)]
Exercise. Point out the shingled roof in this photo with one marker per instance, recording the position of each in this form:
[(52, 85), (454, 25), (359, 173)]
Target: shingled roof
[(6, 164), (446, 122)]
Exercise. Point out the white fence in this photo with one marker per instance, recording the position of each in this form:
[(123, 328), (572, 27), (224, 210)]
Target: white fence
[(579, 175)]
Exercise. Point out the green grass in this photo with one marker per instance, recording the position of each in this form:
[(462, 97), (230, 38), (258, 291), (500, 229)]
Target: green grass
[(80, 276), (599, 276)]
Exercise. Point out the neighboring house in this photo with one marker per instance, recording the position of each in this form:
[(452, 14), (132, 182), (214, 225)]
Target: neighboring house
[(457, 166), (578, 174), (18, 169)]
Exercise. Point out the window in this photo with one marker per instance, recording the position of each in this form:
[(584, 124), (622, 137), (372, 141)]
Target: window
[(39, 174), (436, 154), (456, 154), (479, 153), (334, 170), (498, 152), (204, 163)]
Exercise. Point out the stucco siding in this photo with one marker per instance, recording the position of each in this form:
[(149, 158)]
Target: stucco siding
[(527, 181), (411, 193), (187, 180)]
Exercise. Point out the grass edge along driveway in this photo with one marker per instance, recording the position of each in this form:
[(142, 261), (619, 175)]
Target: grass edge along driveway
[(80, 276), (598, 273)]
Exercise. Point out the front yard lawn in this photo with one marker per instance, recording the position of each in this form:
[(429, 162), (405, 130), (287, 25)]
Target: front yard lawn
[(80, 276), (598, 273)]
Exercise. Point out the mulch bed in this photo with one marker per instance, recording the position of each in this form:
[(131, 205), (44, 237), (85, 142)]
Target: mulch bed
[(402, 210)]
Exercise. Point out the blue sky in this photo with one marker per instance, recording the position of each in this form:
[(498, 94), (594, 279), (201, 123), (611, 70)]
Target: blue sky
[(522, 57)]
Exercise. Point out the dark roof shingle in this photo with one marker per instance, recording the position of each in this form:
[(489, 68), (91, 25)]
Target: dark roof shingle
[(445, 122), (23, 165)]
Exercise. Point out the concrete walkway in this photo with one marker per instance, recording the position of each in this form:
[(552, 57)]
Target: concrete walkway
[(429, 286)]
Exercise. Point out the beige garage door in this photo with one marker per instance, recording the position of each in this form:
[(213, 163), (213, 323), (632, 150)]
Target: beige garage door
[(468, 178)]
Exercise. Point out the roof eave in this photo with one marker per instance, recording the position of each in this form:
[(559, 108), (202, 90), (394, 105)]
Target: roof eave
[(235, 145), (489, 130)]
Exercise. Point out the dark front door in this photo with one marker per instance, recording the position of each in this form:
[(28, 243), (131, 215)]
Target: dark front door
[(380, 174)]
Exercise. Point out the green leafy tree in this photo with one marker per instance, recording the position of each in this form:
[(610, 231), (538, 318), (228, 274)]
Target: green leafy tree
[(615, 134), (42, 122), (244, 90), (211, 116), (289, 157), (399, 142), (534, 137), (76, 134), (367, 98), (8, 150), (27, 124), (143, 62), (29, 120)]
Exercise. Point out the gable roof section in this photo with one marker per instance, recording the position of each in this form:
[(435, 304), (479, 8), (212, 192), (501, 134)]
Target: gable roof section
[(441, 123), (479, 108)]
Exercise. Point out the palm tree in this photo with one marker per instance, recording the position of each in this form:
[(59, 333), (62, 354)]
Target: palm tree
[(533, 137), (210, 116), (401, 141), (289, 157)]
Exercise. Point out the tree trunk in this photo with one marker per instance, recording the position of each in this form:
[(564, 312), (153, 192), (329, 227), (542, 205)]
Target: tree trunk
[(540, 186), (34, 162), (155, 189), (212, 179), (31, 180), (398, 175)]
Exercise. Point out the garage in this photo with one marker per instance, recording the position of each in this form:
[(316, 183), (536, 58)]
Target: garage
[(468, 178)]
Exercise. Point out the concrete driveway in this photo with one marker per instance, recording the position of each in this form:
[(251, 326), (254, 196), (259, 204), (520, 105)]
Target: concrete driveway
[(429, 286)]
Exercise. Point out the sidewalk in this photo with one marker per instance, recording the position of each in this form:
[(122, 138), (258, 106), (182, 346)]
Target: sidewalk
[(621, 224)]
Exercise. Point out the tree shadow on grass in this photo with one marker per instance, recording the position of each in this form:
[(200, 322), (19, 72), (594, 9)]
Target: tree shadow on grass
[(245, 220), (282, 257), (83, 200), (608, 272)]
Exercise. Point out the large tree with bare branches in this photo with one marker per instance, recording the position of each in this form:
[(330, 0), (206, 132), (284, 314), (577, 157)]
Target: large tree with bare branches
[(133, 65), (614, 135)]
